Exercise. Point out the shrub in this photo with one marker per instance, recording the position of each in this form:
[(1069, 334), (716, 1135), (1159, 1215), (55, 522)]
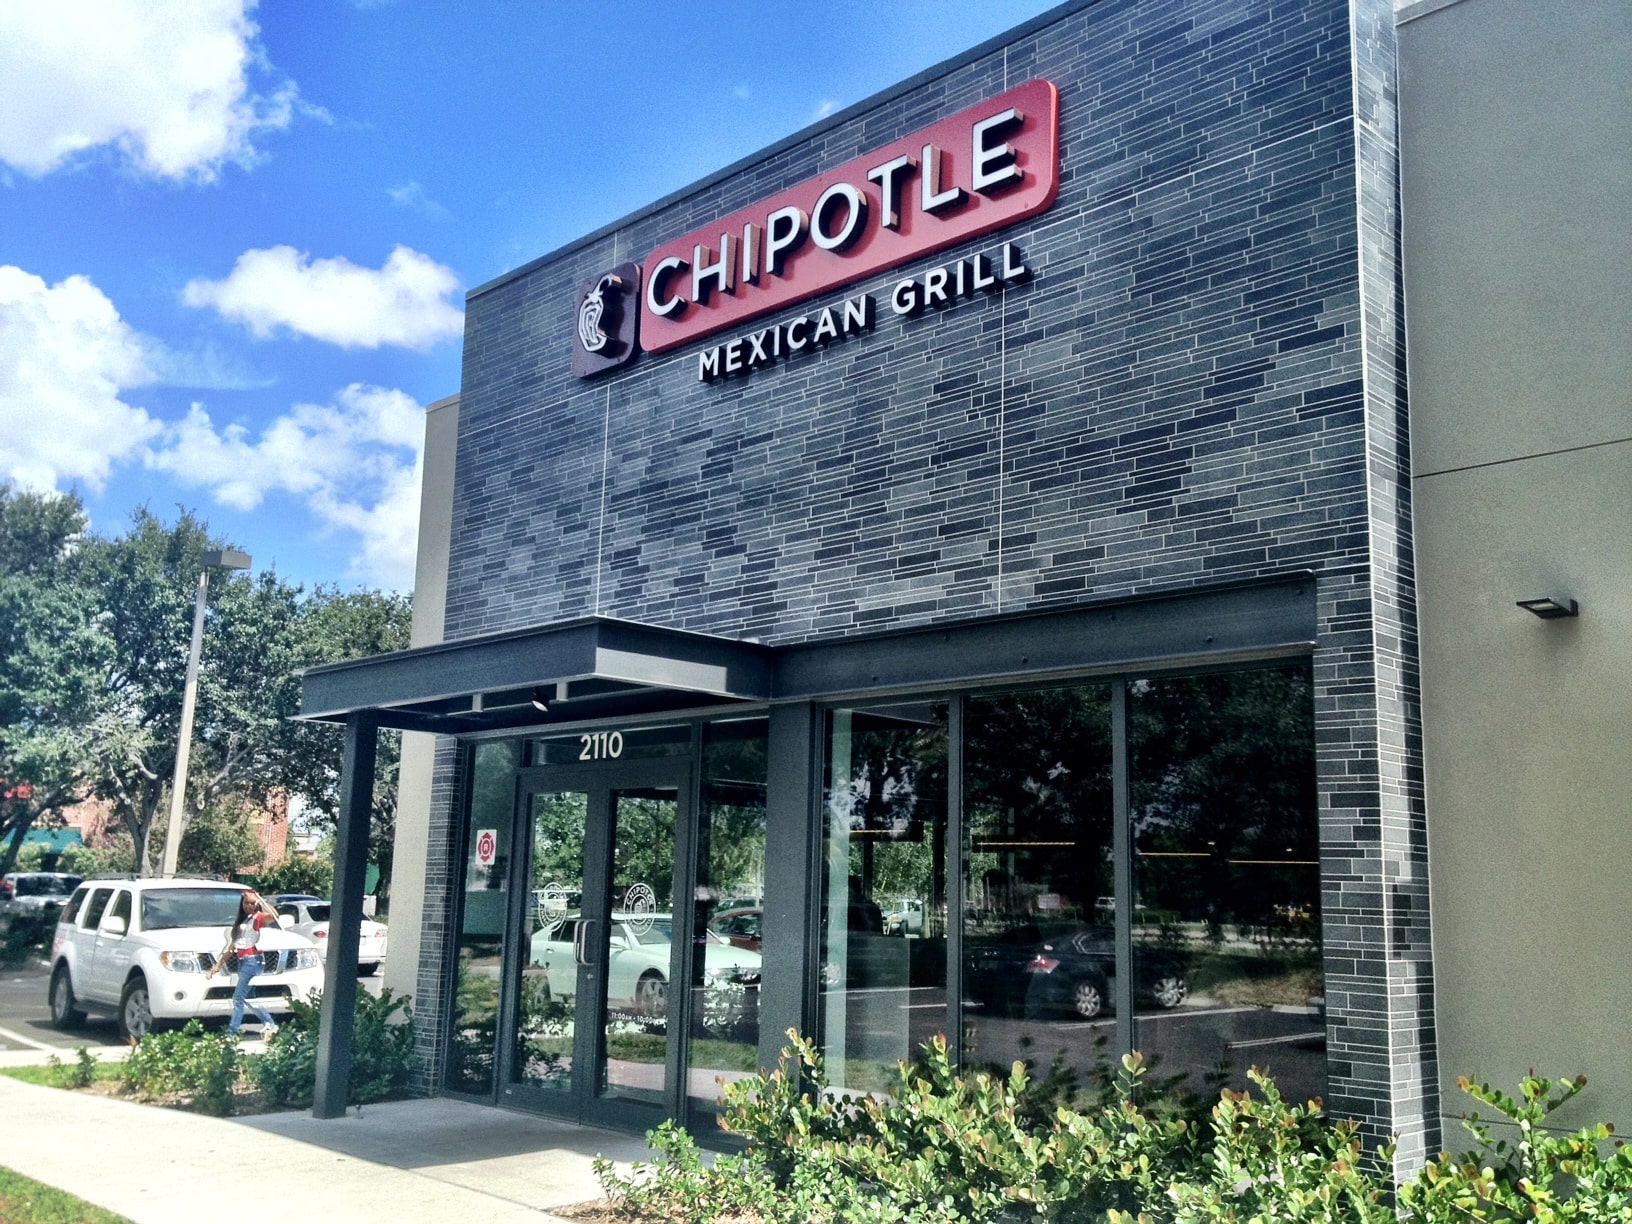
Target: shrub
[(381, 1053), (313, 876), (677, 1185), (80, 1075), (1544, 1176), (117, 856), (952, 1148), (23, 935), (287, 1073), (184, 1062), (1272, 1161)]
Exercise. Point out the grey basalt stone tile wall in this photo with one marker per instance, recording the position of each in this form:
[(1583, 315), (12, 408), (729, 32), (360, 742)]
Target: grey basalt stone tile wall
[(1202, 381), (431, 1000)]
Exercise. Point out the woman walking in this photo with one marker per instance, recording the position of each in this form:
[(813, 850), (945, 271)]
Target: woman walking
[(253, 914)]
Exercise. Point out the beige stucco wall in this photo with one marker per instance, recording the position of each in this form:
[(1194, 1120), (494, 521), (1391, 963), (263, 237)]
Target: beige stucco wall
[(412, 845), (1516, 134)]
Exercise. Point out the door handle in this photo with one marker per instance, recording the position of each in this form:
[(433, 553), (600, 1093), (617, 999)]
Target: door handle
[(582, 947)]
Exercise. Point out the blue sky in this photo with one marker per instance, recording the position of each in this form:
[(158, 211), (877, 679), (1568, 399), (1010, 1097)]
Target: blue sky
[(235, 240)]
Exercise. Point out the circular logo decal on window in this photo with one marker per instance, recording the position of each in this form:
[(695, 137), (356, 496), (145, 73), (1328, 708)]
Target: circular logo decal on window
[(554, 898), (639, 906)]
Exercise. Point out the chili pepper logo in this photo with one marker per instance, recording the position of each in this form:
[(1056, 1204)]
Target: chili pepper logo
[(605, 321), (590, 334)]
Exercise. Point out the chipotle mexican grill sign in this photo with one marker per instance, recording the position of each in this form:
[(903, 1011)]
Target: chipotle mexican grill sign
[(979, 170)]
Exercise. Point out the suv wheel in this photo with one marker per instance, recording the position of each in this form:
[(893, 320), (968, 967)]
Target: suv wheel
[(136, 1010), (64, 1015)]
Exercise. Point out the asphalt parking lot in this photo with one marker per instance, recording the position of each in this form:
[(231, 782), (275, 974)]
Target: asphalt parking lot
[(25, 1022)]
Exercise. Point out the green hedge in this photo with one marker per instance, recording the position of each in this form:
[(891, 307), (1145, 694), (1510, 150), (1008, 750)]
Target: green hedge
[(382, 1042), (944, 1147)]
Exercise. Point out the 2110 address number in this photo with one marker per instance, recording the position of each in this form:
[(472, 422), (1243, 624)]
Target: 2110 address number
[(600, 746)]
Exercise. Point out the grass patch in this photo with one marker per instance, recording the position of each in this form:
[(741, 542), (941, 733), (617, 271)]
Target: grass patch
[(724, 1055), (1257, 980), (23, 1198), (52, 1077)]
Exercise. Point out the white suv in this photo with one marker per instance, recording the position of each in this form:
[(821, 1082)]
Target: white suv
[(141, 950)]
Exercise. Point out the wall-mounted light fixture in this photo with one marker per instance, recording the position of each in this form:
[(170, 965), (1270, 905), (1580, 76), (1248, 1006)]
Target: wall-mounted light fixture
[(541, 701), (1549, 608)]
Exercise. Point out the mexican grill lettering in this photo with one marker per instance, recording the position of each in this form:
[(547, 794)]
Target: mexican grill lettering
[(984, 168)]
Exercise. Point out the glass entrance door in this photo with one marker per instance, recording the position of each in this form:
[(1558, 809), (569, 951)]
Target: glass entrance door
[(591, 1026)]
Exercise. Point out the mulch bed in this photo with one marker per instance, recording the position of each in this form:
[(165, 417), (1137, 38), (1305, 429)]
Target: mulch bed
[(246, 1099)]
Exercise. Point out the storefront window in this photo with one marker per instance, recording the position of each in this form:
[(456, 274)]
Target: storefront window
[(1227, 952), (729, 899), (479, 950), (883, 930), (1038, 945)]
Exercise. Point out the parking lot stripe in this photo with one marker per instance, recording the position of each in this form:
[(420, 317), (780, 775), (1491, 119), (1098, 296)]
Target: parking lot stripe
[(7, 1035)]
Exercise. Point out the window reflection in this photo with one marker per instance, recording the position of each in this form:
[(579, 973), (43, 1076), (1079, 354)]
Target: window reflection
[(546, 1018), (729, 901), (1227, 878), (1038, 947), (883, 940), (479, 949), (638, 954)]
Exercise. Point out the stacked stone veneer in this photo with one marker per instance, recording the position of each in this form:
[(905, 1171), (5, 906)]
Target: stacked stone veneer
[(1202, 382)]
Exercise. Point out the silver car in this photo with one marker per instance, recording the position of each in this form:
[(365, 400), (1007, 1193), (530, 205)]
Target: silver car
[(36, 894)]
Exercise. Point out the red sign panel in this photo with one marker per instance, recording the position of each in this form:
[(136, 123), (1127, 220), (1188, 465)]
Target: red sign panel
[(979, 170)]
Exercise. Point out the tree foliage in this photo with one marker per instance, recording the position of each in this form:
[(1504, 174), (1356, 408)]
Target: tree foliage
[(95, 633), (332, 627), (52, 644), (147, 580)]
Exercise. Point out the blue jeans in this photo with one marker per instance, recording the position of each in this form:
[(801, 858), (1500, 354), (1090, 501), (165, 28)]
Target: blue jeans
[(248, 967)]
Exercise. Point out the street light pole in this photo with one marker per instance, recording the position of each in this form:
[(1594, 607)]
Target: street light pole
[(218, 558)]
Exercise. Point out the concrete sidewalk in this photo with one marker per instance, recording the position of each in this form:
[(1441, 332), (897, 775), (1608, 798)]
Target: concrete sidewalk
[(406, 1160)]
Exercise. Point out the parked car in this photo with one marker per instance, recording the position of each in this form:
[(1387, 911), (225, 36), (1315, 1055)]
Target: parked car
[(1067, 969), (637, 968), (141, 950), (309, 916), (743, 928), (36, 894), (905, 918)]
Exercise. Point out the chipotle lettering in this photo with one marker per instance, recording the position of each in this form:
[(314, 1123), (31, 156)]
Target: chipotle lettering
[(979, 170)]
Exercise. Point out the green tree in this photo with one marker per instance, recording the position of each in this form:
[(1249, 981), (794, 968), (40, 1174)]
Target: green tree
[(1223, 771), (334, 626), (53, 644), (219, 838), (145, 581)]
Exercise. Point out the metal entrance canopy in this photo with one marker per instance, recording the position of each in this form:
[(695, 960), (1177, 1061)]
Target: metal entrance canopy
[(598, 666), (576, 669)]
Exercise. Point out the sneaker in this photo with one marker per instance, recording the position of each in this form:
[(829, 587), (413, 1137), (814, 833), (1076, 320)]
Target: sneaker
[(268, 1031)]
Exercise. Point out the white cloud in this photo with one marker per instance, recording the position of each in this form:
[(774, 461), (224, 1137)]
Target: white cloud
[(65, 357), (823, 109), (205, 366), (403, 303), (165, 82), (412, 196), (353, 462)]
